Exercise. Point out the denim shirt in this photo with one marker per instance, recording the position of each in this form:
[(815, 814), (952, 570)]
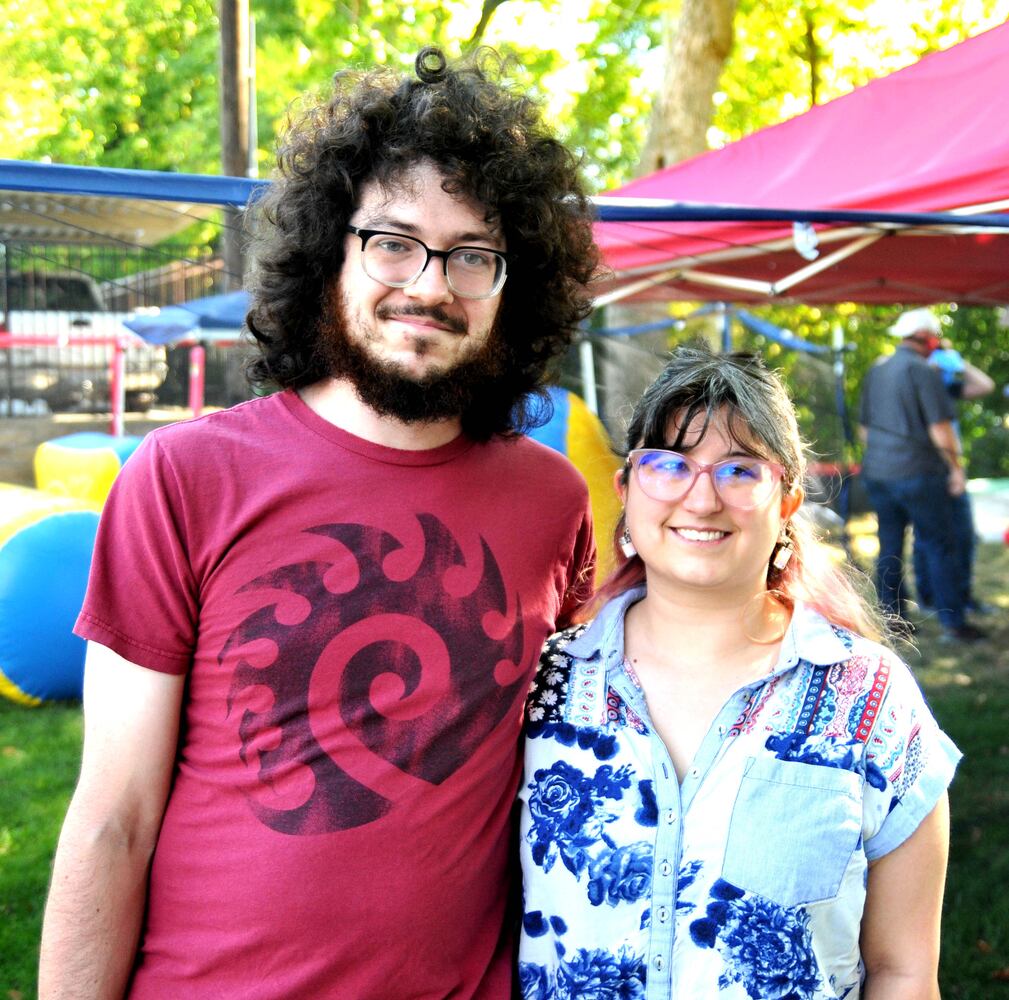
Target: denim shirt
[(747, 880)]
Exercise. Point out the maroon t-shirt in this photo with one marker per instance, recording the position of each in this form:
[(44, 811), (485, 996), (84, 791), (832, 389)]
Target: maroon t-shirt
[(359, 625)]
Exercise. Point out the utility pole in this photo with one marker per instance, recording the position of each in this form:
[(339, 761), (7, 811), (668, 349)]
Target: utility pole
[(234, 19)]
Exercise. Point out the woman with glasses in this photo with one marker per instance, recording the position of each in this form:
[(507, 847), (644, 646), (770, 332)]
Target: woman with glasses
[(732, 790)]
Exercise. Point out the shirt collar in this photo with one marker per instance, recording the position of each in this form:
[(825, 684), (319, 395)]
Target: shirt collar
[(810, 637), (606, 630)]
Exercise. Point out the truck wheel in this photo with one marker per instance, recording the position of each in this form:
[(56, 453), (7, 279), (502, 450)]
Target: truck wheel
[(139, 402)]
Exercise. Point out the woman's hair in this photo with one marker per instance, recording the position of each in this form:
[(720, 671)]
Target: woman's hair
[(759, 416), (493, 147)]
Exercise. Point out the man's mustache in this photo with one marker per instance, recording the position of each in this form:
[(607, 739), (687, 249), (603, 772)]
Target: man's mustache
[(453, 323)]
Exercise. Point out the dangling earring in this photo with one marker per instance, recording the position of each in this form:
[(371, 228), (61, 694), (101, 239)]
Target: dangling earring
[(626, 545), (783, 550)]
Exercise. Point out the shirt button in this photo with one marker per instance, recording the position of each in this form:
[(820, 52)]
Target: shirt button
[(671, 816), (665, 868), (658, 963), (721, 730), (694, 772), (663, 914)]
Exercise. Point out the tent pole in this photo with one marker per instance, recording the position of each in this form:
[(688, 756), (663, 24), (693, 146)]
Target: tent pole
[(844, 493), (117, 389), (824, 262), (586, 358)]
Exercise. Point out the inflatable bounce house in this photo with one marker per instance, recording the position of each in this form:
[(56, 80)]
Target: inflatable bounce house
[(82, 465), (574, 430), (46, 540)]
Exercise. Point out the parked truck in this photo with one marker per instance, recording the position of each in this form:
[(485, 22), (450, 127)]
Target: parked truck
[(68, 307)]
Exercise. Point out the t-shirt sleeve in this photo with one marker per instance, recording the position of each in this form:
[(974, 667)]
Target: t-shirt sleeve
[(910, 762), (864, 400), (141, 599), (581, 572), (936, 405)]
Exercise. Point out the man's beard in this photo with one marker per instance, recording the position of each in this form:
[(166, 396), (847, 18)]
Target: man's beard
[(385, 388)]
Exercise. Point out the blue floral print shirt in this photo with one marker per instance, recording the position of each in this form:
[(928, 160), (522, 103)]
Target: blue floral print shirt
[(746, 882)]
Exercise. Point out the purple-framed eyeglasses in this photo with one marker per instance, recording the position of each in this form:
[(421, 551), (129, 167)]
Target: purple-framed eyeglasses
[(744, 482)]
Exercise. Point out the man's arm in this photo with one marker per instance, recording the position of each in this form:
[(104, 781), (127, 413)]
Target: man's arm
[(903, 908), (975, 382), (99, 883), (947, 441)]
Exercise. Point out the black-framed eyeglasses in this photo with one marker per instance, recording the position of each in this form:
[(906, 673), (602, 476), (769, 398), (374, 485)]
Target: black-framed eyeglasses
[(744, 482), (397, 261)]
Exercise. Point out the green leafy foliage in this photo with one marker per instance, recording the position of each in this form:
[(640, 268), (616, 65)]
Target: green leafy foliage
[(979, 334), (785, 53), (608, 120), (131, 84)]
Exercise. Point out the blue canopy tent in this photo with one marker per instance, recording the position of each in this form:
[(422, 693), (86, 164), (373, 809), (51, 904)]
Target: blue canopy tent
[(203, 318), (56, 203), (47, 194)]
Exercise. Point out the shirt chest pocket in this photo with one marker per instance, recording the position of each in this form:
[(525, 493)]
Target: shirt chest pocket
[(793, 830)]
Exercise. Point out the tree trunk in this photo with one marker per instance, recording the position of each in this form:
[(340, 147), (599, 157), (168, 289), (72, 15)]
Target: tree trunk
[(234, 121), (698, 44)]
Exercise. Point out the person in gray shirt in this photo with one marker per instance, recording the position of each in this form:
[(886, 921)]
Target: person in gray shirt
[(912, 469)]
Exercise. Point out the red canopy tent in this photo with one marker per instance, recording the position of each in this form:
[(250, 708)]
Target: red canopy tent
[(931, 138)]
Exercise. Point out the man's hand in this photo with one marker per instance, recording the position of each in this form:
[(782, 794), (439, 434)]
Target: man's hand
[(947, 443)]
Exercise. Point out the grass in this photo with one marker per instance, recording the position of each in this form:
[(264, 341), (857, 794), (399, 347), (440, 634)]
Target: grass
[(968, 690), (967, 687), (39, 760)]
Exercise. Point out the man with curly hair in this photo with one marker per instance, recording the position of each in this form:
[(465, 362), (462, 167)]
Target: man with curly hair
[(313, 618)]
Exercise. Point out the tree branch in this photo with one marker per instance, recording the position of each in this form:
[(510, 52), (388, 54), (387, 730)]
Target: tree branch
[(486, 12)]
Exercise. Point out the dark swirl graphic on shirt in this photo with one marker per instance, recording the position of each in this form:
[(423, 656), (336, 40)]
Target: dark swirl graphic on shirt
[(357, 677)]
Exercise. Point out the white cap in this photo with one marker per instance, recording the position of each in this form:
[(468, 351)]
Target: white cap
[(916, 321)]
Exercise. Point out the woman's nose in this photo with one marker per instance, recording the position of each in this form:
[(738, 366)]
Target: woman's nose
[(702, 495)]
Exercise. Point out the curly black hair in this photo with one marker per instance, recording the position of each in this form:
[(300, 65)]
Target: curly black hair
[(492, 146)]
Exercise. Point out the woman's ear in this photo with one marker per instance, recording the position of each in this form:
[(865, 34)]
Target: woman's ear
[(791, 502), (620, 485)]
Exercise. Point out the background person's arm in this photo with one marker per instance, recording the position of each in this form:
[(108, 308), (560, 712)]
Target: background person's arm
[(975, 382), (946, 439), (99, 883), (903, 907)]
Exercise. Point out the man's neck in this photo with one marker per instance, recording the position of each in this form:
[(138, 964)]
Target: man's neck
[(915, 346), (336, 401)]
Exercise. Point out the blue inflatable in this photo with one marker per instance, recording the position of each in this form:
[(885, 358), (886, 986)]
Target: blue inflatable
[(46, 543)]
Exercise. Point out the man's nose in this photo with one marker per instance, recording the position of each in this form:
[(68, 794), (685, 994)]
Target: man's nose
[(432, 285)]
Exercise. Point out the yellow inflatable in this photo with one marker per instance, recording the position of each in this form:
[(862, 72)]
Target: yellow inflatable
[(82, 465), (574, 430)]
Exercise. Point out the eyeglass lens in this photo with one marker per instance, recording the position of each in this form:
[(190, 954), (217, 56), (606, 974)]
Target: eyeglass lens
[(399, 261), (740, 482)]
